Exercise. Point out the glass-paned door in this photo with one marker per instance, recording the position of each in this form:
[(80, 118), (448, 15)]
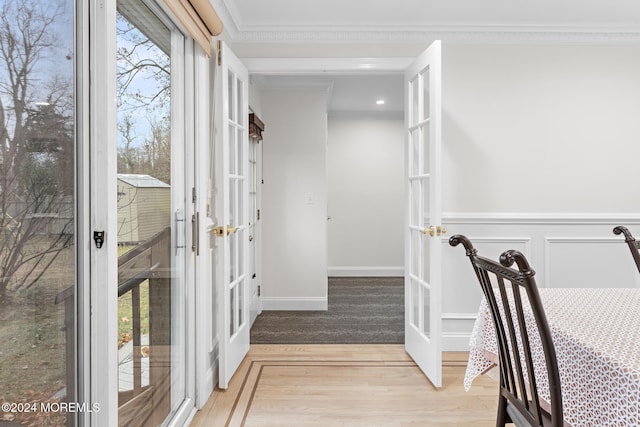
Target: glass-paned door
[(150, 216), (38, 257), (253, 230), (423, 242), (232, 201)]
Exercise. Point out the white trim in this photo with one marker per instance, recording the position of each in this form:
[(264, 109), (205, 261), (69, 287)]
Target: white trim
[(83, 211), (326, 65), (550, 240), (452, 34), (204, 308), (372, 271), (240, 31), (460, 316), (456, 341), (539, 218), (104, 266), (293, 303)]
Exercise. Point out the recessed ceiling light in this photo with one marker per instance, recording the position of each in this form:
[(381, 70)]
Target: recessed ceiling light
[(380, 102)]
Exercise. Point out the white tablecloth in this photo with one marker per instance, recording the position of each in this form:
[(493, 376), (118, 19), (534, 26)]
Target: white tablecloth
[(596, 333)]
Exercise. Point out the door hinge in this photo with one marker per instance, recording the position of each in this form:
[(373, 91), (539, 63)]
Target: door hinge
[(259, 289), (193, 195), (258, 215), (219, 52)]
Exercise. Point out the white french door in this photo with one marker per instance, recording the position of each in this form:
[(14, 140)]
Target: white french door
[(253, 262), (423, 243), (231, 221)]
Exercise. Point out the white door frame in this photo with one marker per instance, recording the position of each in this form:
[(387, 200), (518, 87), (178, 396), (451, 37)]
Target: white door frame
[(205, 333), (98, 305), (102, 328), (303, 66)]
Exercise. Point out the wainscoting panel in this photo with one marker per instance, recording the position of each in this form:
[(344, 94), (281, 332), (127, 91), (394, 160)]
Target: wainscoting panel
[(565, 250)]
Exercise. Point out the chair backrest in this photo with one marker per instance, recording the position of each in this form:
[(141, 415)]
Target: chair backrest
[(512, 296), (634, 245)]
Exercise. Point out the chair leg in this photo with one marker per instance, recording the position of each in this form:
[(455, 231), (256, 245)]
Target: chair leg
[(502, 417)]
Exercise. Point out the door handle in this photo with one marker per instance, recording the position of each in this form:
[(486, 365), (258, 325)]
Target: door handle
[(220, 231), (195, 238), (431, 231), (179, 229), (434, 231)]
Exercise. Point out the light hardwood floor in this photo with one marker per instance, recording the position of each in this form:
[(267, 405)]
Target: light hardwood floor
[(347, 385)]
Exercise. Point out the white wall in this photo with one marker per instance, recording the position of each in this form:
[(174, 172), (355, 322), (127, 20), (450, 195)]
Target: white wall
[(540, 145), (541, 128), (294, 200), (365, 167)]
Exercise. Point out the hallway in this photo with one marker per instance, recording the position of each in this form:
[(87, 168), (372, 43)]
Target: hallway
[(346, 385)]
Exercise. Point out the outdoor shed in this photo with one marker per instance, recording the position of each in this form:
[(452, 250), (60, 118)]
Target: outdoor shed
[(144, 207)]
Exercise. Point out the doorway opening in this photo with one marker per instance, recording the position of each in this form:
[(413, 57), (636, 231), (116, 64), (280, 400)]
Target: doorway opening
[(364, 179)]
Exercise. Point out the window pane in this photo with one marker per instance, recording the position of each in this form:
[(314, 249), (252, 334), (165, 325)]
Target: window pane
[(426, 113), (150, 229), (37, 241)]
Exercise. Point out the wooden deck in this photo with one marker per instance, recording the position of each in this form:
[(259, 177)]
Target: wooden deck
[(347, 385)]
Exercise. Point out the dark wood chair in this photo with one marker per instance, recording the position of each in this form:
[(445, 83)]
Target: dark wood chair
[(634, 245), (505, 289)]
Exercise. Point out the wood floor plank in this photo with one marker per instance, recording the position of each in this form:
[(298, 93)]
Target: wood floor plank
[(347, 385)]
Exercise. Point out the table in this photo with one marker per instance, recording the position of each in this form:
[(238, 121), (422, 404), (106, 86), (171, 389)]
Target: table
[(596, 333)]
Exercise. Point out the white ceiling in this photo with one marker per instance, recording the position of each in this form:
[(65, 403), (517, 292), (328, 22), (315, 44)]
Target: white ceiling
[(298, 27)]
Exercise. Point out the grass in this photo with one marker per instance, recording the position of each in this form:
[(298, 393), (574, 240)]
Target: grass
[(125, 309), (32, 353), (125, 314), (32, 336)]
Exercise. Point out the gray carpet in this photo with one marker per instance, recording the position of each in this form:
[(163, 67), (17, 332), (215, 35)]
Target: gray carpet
[(362, 310)]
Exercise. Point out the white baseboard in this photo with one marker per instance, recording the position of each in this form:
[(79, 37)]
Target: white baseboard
[(455, 341), (365, 271), (291, 303)]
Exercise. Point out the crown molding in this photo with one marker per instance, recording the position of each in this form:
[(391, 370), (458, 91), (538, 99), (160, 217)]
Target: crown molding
[(459, 34), (240, 32)]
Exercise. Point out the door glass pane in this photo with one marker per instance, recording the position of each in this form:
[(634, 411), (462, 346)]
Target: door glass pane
[(415, 303), (425, 201), (150, 227), (241, 242), (426, 253), (415, 210), (426, 160), (239, 117), (416, 244), (241, 314), (426, 303), (414, 161), (231, 95), (233, 248), (233, 328), (233, 147), (425, 93), (37, 198), (414, 92), (232, 202), (239, 145)]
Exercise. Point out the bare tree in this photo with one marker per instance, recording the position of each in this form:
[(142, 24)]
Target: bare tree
[(36, 147), (143, 73)]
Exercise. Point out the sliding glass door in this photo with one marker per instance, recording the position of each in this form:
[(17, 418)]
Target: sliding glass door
[(38, 259), (151, 217)]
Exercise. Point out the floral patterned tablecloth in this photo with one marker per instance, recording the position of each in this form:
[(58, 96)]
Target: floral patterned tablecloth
[(596, 333)]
